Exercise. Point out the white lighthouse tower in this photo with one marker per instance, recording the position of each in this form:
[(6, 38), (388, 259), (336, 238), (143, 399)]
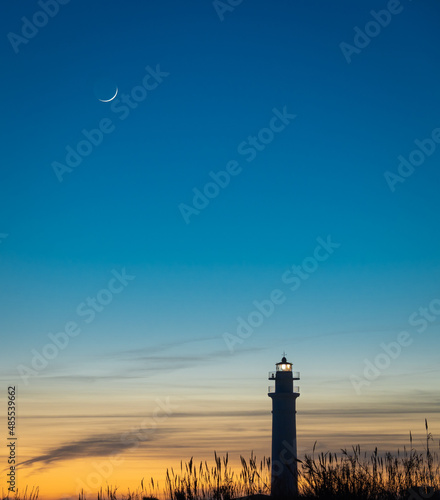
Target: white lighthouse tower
[(284, 451)]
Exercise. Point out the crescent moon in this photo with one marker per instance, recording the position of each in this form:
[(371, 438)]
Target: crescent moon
[(111, 99)]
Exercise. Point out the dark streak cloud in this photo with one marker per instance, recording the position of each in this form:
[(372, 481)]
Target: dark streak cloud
[(95, 446)]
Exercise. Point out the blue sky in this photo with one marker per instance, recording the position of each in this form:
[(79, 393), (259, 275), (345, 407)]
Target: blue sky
[(224, 79)]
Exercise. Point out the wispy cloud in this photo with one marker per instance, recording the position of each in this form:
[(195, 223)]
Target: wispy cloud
[(94, 446), (139, 363)]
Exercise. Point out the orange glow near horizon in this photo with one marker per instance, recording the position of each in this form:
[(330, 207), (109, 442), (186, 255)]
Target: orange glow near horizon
[(182, 436)]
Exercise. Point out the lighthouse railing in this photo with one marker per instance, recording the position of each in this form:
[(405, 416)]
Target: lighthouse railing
[(273, 375), (271, 389)]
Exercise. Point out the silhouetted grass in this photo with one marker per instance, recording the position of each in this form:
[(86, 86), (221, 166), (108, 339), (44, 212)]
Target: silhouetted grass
[(31, 494), (353, 475), (218, 482)]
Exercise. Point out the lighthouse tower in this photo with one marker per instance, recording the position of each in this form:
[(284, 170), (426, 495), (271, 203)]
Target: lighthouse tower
[(284, 452)]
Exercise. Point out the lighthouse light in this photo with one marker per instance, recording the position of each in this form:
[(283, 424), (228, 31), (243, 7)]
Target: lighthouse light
[(284, 367)]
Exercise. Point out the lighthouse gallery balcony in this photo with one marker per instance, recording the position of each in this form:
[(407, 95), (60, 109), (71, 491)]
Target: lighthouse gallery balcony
[(271, 389), (295, 375)]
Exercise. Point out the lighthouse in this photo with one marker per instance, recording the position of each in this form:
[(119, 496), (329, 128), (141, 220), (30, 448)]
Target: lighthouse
[(284, 451)]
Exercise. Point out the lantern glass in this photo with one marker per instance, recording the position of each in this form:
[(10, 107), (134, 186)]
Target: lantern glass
[(284, 367)]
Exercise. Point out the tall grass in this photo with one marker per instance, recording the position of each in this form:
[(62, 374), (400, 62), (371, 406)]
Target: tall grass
[(356, 475), (201, 482), (218, 482), (28, 494)]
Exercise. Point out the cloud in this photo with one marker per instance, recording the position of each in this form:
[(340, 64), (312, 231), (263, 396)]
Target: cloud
[(187, 414), (105, 445), (94, 446), (140, 363), (167, 361)]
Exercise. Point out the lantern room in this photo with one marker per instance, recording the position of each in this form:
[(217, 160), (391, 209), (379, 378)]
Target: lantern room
[(283, 365)]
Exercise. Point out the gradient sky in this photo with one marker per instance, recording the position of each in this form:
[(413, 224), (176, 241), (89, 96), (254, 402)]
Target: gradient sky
[(229, 72)]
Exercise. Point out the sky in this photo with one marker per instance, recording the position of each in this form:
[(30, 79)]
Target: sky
[(264, 181)]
